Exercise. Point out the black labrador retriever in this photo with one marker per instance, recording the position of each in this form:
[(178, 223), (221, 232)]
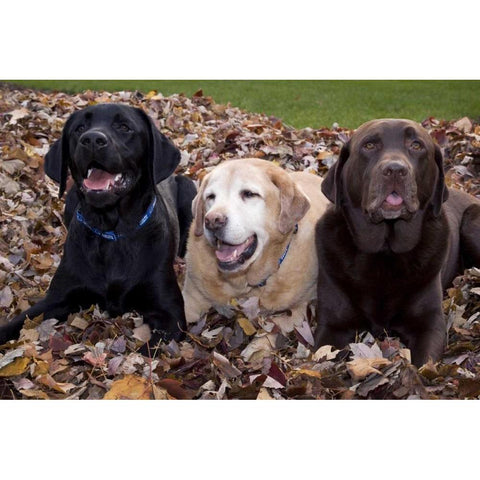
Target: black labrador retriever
[(390, 244), (127, 218)]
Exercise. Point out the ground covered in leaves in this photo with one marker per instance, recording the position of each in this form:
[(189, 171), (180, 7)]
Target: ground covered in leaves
[(240, 353)]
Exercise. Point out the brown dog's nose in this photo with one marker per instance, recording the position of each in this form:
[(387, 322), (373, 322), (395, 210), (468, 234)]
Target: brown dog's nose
[(94, 140), (394, 168), (215, 221)]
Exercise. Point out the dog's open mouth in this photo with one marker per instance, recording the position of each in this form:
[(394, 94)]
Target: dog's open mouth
[(232, 256), (99, 180)]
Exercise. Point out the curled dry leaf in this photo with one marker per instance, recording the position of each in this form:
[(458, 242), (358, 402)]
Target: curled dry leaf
[(361, 367)]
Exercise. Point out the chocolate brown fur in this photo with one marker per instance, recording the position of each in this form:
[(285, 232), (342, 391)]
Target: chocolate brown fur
[(383, 263)]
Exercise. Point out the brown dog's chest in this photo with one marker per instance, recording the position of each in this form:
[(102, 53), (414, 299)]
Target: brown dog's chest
[(378, 286)]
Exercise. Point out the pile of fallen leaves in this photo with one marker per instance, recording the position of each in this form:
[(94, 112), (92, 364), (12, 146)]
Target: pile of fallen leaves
[(240, 352)]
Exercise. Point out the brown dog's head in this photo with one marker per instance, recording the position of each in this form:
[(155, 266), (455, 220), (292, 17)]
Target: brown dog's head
[(389, 169), (244, 205)]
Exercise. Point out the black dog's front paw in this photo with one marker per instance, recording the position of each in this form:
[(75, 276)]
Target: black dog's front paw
[(11, 330)]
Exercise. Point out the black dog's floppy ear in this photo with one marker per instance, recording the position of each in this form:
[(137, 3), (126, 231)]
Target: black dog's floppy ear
[(332, 184), (56, 163), (164, 155), (440, 193)]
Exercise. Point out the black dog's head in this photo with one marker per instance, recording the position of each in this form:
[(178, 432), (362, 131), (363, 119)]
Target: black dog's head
[(110, 150), (389, 169)]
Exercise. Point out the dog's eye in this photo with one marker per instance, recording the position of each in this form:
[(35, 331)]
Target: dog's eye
[(80, 129), (123, 127), (416, 145), (248, 194), (369, 146), (211, 196)]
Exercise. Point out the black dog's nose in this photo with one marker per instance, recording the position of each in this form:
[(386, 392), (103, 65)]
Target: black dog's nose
[(215, 221), (94, 140), (394, 168)]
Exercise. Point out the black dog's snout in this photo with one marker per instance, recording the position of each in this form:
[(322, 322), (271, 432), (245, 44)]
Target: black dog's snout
[(394, 167), (94, 140), (215, 221)]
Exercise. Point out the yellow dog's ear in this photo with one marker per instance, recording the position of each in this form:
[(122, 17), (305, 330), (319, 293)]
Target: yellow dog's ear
[(198, 208), (294, 204)]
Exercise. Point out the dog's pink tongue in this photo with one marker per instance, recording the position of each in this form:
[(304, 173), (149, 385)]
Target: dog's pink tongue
[(394, 199), (229, 253), (99, 180)]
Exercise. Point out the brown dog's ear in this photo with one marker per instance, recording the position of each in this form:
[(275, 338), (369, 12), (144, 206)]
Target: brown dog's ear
[(56, 161), (198, 208), (164, 156), (440, 193), (332, 184), (294, 204)]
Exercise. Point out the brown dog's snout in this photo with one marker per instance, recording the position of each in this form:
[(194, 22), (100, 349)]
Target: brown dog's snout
[(94, 140), (215, 221), (394, 168)]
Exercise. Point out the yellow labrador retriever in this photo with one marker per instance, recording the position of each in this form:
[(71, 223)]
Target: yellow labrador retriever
[(253, 235)]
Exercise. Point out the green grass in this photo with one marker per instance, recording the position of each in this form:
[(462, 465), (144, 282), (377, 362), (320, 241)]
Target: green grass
[(311, 103)]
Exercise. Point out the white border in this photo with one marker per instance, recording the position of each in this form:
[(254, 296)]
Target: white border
[(253, 39)]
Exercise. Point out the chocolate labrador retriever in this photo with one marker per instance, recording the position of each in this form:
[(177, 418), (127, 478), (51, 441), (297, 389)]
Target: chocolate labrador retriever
[(394, 238), (124, 230)]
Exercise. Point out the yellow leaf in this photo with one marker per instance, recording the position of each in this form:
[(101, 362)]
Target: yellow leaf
[(361, 367), (233, 303), (35, 394), (151, 94), (310, 373), (323, 155), (247, 326), (17, 367), (130, 387), (41, 368)]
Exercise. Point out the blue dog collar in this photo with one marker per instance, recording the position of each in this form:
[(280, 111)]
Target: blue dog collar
[(281, 259), (111, 235)]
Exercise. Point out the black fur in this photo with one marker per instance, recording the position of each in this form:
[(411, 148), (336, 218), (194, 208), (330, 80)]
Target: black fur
[(136, 271)]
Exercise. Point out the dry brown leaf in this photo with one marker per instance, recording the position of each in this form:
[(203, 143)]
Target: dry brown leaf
[(305, 371), (362, 367), (225, 366), (130, 387), (142, 333), (49, 382), (80, 323), (326, 351), (40, 394), (160, 393), (6, 297)]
